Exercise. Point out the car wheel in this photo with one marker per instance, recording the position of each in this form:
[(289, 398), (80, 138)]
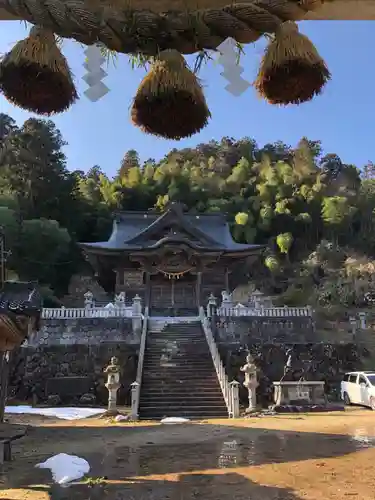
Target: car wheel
[(372, 403), (347, 399)]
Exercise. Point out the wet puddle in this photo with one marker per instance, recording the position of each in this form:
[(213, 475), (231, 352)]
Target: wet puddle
[(266, 448), (177, 471)]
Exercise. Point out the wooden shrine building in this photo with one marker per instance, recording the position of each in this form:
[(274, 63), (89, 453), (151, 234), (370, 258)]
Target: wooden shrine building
[(173, 260)]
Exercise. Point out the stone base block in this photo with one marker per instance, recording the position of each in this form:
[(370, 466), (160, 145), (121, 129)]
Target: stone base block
[(307, 408)]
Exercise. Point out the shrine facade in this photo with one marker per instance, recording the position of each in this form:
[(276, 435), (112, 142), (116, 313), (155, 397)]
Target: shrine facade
[(173, 260)]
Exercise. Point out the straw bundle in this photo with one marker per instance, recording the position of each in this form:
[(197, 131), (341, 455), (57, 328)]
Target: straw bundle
[(292, 71), (170, 102), (35, 76)]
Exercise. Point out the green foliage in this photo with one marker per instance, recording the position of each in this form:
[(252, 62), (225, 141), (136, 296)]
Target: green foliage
[(294, 200), (272, 264), (284, 242), (241, 218)]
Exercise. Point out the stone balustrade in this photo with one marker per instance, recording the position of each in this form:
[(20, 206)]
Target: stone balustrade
[(273, 312), (86, 313)]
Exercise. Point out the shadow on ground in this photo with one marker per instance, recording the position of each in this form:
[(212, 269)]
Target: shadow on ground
[(230, 486), (121, 453)]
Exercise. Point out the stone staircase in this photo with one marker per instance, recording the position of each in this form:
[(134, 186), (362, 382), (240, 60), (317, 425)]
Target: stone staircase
[(179, 378)]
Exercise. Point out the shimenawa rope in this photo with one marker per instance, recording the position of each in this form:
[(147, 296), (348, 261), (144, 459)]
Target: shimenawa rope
[(150, 32)]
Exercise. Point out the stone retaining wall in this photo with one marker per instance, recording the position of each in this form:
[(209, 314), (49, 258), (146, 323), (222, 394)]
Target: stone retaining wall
[(83, 347), (32, 368), (85, 331), (326, 362)]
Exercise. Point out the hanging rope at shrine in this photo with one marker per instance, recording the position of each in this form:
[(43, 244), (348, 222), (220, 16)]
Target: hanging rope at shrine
[(174, 276), (170, 102)]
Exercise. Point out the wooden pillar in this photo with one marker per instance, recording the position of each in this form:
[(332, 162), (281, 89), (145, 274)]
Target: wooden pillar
[(226, 280), (198, 288), (4, 375), (147, 289)]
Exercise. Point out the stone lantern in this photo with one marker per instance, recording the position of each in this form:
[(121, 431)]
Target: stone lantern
[(113, 385), (251, 382)]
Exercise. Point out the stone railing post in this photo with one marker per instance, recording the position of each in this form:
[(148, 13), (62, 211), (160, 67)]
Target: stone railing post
[(353, 325), (135, 400), (235, 399), (226, 303), (362, 320), (89, 300), (137, 314), (211, 306)]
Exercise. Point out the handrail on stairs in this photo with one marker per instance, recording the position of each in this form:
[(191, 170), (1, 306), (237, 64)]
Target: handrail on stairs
[(136, 386), (229, 389)]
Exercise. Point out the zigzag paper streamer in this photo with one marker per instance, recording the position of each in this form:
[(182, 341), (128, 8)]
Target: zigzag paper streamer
[(232, 71), (95, 73)]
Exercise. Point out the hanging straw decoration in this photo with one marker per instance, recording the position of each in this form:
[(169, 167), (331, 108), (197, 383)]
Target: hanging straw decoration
[(292, 71), (170, 102), (35, 75)]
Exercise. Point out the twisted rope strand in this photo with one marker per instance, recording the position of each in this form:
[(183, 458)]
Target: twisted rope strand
[(131, 31)]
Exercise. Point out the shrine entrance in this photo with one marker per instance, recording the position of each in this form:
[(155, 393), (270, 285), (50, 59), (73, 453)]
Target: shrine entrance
[(172, 296)]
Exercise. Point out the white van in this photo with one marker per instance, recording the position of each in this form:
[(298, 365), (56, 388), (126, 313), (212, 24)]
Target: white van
[(359, 388)]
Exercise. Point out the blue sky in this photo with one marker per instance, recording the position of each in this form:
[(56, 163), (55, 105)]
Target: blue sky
[(342, 118)]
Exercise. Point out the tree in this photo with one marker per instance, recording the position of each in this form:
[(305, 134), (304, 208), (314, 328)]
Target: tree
[(337, 212), (129, 161), (42, 246)]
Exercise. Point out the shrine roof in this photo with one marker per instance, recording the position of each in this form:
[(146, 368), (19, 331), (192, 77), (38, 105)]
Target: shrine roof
[(147, 230), (20, 297)]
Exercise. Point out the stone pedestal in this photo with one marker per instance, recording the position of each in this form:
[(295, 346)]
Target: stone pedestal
[(112, 399), (303, 396)]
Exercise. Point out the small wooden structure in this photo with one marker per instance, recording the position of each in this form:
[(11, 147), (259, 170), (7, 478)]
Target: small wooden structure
[(20, 310)]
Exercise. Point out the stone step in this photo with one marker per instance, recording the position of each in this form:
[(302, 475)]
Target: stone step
[(165, 405), (192, 414), (192, 385), (201, 369), (180, 331), (181, 395), (187, 334), (170, 344), (196, 397), (181, 353), (180, 370), (175, 379), (192, 365), (162, 344), (182, 391), (185, 360), (174, 338), (204, 361), (165, 401)]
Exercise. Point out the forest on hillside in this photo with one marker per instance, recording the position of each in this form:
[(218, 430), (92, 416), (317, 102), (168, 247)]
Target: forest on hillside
[(316, 213)]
